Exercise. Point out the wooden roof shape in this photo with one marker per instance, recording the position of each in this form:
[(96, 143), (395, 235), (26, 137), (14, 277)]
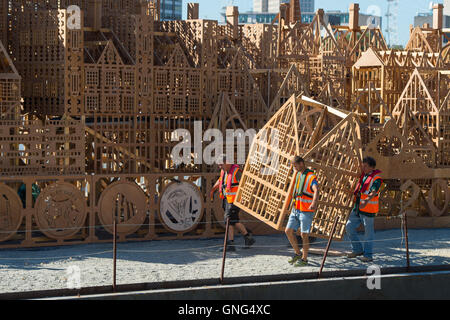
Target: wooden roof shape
[(294, 129), (7, 68), (370, 58)]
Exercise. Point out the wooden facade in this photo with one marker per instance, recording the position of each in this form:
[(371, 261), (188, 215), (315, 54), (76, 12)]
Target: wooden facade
[(92, 92)]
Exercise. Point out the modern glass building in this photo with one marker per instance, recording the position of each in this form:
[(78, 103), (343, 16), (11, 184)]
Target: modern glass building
[(260, 5), (264, 11), (307, 5), (332, 17), (171, 9)]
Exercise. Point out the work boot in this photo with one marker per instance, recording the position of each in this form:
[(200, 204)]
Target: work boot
[(230, 247), (249, 241), (354, 255), (365, 259)]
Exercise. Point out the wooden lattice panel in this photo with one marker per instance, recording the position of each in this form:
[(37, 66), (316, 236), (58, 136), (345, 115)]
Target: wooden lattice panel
[(390, 71), (395, 157), (268, 173), (444, 120), (110, 80), (120, 143), (116, 89), (10, 85), (292, 83), (336, 160), (33, 147), (417, 115), (36, 42), (257, 39), (177, 86)]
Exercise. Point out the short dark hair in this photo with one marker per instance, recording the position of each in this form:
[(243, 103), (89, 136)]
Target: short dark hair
[(299, 159), (370, 161)]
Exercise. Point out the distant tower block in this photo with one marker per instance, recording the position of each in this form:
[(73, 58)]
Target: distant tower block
[(233, 20), (353, 21), (192, 11), (295, 11), (438, 16), (94, 14)]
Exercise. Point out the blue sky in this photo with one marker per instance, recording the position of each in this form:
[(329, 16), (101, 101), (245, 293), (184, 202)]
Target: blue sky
[(407, 9)]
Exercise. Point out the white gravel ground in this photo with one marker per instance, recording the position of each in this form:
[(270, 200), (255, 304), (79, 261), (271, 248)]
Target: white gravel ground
[(48, 268)]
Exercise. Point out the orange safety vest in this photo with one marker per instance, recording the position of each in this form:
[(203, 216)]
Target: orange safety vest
[(304, 198), (373, 205), (232, 184)]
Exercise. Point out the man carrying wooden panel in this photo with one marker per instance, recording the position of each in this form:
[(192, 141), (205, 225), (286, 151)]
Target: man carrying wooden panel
[(228, 184), (365, 209), (304, 195)]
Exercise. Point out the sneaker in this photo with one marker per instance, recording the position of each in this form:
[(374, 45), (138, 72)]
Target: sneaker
[(249, 241), (294, 259), (301, 263), (365, 259), (354, 255)]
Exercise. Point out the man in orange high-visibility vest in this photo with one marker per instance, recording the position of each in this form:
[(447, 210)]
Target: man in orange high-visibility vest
[(366, 206), (304, 195), (228, 183)]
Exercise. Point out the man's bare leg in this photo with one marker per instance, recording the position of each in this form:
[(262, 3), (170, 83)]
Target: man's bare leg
[(293, 240), (241, 228), (231, 233), (305, 240)]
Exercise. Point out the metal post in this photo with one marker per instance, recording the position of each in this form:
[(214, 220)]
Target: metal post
[(406, 239), (224, 249), (405, 230), (114, 253), (328, 246)]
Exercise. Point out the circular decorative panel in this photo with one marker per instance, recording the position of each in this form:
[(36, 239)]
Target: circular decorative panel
[(438, 197), (181, 207), (10, 212), (127, 202), (60, 210)]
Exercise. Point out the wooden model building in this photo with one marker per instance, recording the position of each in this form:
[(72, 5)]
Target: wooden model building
[(92, 91)]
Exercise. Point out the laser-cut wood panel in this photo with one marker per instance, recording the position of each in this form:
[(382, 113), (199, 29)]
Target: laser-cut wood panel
[(267, 175), (418, 116), (105, 99), (10, 86), (35, 147), (336, 160)]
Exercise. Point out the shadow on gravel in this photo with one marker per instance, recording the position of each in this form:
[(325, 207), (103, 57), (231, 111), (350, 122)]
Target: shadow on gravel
[(387, 253)]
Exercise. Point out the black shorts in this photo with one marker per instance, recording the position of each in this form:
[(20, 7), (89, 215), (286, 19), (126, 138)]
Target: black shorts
[(232, 212)]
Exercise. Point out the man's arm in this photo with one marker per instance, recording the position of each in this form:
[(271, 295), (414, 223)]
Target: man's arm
[(214, 188)]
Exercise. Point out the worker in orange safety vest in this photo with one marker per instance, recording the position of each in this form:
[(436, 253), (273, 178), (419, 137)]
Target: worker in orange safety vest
[(304, 195), (366, 206), (228, 184)]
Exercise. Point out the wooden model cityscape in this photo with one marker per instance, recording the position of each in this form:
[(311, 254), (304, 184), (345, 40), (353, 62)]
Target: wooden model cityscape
[(90, 99)]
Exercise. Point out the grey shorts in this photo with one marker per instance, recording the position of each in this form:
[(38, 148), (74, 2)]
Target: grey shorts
[(232, 212), (299, 219)]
